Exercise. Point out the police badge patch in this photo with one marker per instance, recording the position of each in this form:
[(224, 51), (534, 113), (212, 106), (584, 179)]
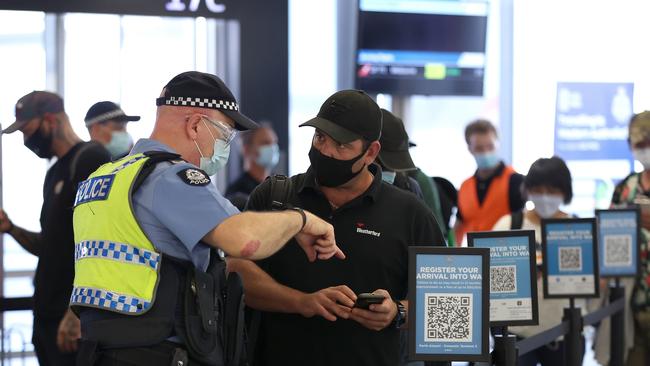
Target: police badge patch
[(194, 177)]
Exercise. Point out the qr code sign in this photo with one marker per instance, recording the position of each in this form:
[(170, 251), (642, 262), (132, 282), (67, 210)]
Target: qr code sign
[(503, 279), (448, 317), (570, 258)]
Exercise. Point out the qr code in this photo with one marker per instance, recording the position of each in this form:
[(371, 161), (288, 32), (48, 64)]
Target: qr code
[(618, 250), (570, 258), (448, 317), (503, 279)]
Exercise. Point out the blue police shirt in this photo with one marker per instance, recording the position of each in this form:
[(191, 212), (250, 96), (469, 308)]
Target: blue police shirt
[(174, 214)]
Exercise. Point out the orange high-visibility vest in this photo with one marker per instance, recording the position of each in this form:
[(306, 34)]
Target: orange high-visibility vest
[(496, 203)]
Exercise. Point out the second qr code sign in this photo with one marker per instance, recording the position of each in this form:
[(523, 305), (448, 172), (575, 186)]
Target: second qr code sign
[(448, 317)]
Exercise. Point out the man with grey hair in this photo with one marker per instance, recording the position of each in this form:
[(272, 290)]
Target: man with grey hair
[(150, 285)]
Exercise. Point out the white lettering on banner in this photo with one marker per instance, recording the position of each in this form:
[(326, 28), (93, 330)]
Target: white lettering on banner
[(179, 5), (448, 273)]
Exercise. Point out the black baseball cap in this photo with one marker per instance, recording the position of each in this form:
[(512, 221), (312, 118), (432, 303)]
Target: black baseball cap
[(107, 111), (348, 115), (203, 90), (32, 105), (394, 153)]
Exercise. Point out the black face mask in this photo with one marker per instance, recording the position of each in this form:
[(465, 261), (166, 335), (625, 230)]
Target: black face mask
[(40, 144), (332, 172)]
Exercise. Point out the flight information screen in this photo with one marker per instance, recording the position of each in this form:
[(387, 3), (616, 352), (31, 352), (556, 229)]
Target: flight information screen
[(427, 47)]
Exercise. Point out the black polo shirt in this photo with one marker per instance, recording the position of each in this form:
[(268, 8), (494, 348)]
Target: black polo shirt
[(515, 198), (374, 231), (55, 271), (239, 190)]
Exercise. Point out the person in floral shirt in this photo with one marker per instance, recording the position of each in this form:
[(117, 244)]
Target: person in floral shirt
[(634, 190)]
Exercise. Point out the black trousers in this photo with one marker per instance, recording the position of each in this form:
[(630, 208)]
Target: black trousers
[(163, 354), (44, 339)]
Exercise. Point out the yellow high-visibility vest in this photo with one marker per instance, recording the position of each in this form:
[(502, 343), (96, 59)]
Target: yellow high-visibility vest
[(116, 266)]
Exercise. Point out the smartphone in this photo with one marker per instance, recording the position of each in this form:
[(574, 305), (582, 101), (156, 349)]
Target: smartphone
[(365, 300)]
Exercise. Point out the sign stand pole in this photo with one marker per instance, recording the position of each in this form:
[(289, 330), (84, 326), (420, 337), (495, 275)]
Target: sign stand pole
[(505, 350), (617, 339), (573, 347)]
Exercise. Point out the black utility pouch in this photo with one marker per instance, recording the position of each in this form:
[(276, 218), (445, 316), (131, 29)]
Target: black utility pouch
[(234, 323), (201, 313)]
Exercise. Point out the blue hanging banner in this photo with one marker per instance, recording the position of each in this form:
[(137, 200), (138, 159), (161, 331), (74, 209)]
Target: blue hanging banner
[(591, 131), (591, 121), (448, 304)]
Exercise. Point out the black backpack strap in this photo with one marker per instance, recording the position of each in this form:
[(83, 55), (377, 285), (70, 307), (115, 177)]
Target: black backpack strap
[(155, 157), (517, 220), (75, 159), (280, 191)]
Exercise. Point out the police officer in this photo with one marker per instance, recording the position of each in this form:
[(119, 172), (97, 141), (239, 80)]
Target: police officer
[(106, 123), (149, 287)]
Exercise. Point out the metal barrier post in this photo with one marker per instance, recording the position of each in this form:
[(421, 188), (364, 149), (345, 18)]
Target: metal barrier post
[(505, 351), (617, 339), (573, 348)]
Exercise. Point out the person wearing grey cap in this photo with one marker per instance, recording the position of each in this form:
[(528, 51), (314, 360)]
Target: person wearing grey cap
[(46, 129), (106, 123), (150, 287), (316, 315)]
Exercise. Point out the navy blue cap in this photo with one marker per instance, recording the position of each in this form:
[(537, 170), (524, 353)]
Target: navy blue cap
[(203, 90)]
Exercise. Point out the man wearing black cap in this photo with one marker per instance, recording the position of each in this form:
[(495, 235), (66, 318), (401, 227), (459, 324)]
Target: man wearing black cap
[(398, 167), (46, 129), (106, 123), (149, 285), (394, 156), (309, 315)]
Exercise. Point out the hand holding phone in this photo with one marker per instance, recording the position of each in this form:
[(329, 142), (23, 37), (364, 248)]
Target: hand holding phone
[(366, 299)]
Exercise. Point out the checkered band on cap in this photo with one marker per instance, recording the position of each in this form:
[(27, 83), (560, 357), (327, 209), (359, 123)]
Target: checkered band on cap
[(102, 299), (105, 117), (198, 102)]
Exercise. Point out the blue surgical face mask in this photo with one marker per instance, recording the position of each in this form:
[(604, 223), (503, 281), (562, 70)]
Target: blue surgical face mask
[(388, 177), (269, 155), (211, 165), (120, 144), (487, 160)]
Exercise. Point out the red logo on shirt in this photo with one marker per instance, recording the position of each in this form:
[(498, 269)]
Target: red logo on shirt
[(361, 225)]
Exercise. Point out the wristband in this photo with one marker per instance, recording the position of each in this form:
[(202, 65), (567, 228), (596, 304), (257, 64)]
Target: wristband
[(302, 214), (10, 227)]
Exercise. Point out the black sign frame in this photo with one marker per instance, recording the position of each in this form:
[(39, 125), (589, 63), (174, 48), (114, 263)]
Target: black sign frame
[(594, 236), (532, 270), (485, 303), (637, 211)]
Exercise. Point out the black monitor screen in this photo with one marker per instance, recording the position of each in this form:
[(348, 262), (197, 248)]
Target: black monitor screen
[(428, 47)]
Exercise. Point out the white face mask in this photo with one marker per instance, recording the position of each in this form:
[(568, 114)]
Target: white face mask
[(643, 156), (546, 205), (211, 165)]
